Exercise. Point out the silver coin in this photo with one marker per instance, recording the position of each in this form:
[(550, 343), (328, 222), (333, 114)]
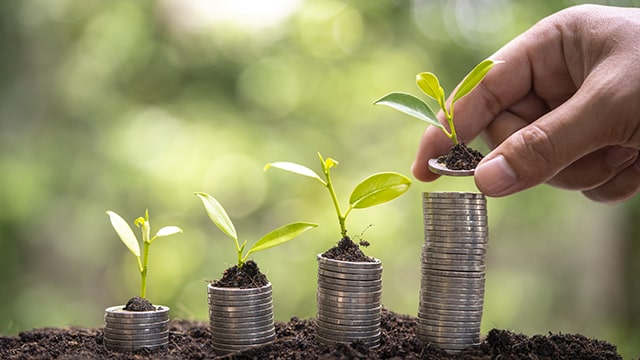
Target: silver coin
[(348, 289), (347, 307), (237, 291), (471, 318), (239, 342), (243, 308), (346, 323), (136, 337), (426, 259), (240, 314), (453, 195), (375, 327), (152, 330), (452, 249), (354, 283), (453, 297), (460, 339), (344, 276), (118, 312), (216, 297), (427, 305), (351, 294), (327, 266), (137, 326), (328, 315), (350, 264), (450, 215), (240, 321), (452, 273), (242, 303), (242, 327), (435, 320), (429, 209), (434, 255), (132, 345), (235, 337)]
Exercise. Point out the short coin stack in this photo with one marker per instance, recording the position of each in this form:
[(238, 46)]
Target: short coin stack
[(240, 318), (349, 301), (132, 330), (453, 269)]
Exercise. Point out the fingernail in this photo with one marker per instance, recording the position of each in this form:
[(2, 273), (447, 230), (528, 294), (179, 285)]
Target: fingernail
[(618, 156), (494, 177)]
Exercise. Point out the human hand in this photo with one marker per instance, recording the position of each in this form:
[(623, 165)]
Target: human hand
[(563, 108)]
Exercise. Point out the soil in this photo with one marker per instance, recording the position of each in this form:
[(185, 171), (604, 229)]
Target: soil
[(137, 303), (247, 276), (296, 340), (461, 157), (347, 250)]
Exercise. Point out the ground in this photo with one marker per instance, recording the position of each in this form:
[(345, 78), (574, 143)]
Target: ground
[(295, 339)]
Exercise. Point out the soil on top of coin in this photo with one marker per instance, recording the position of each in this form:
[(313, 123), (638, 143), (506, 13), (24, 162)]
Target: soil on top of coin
[(295, 339), (461, 157), (247, 276), (137, 303), (347, 250)]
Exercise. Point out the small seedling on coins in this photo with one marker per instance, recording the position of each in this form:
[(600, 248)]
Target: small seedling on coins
[(219, 217), (374, 190), (430, 85), (130, 240)]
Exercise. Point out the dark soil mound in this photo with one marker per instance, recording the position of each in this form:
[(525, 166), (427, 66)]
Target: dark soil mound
[(246, 277), (296, 340), (461, 157), (347, 250), (137, 303)]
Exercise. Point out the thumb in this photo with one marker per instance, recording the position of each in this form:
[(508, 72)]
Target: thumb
[(539, 151)]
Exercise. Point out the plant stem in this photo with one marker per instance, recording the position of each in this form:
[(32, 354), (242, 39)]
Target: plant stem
[(334, 198), (452, 135), (144, 269)]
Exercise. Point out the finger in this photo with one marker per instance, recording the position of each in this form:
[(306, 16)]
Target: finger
[(622, 187), (432, 144), (595, 169), (538, 152)]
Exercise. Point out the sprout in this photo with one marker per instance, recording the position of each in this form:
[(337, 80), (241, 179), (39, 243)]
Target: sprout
[(219, 217), (429, 84), (374, 190), (131, 241)]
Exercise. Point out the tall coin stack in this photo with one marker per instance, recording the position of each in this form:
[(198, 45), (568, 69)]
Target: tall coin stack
[(453, 269), (349, 302)]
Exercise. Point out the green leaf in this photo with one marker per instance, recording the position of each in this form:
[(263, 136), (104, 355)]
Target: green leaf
[(218, 215), (168, 230), (294, 168), (429, 84), (473, 78), (378, 189), (281, 235), (125, 233), (410, 105)]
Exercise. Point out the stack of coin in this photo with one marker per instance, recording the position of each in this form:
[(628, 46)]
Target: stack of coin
[(453, 269), (349, 301), (132, 330), (240, 318)]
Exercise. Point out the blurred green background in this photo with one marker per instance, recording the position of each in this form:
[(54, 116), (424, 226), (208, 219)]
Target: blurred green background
[(123, 105)]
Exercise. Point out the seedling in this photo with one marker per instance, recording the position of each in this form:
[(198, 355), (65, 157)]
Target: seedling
[(130, 240), (219, 216), (374, 190), (430, 85)]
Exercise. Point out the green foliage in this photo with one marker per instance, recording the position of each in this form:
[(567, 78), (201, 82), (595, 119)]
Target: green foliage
[(126, 235), (430, 85), (219, 217), (374, 190)]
